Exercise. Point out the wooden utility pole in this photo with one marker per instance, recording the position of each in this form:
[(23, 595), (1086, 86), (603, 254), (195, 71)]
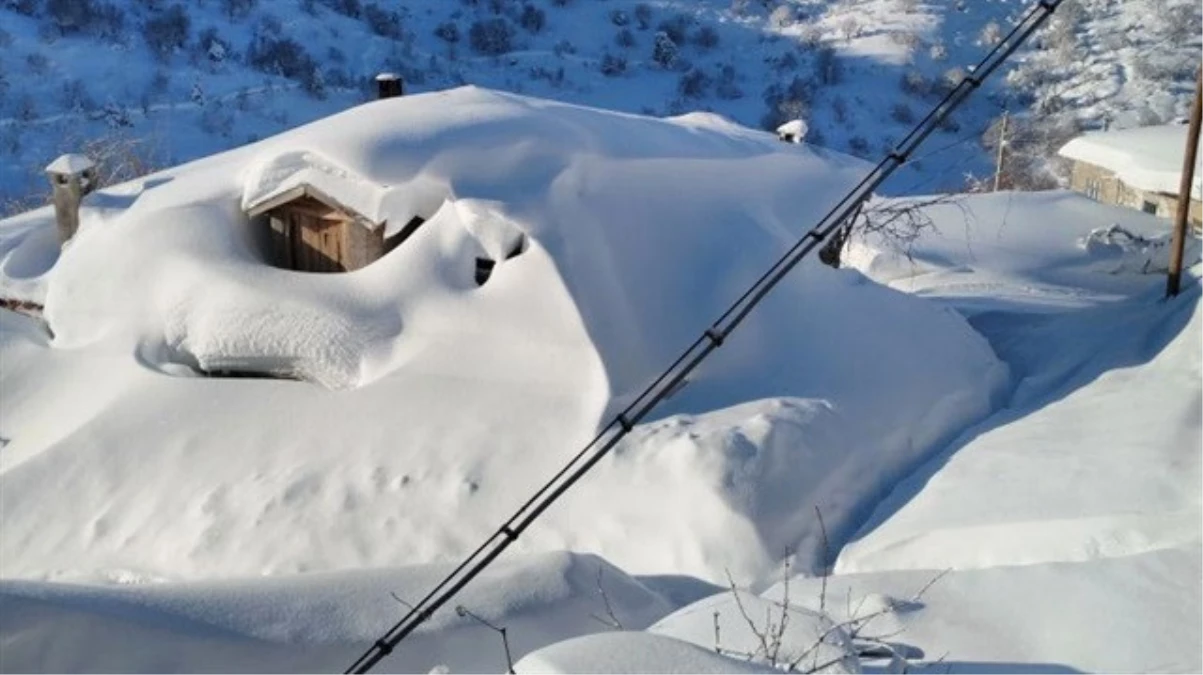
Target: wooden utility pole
[(1002, 143), (1173, 279)]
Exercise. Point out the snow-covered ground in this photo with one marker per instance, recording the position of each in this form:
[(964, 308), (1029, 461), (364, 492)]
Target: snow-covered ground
[(1009, 398)]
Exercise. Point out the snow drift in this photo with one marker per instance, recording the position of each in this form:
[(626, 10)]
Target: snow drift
[(433, 406)]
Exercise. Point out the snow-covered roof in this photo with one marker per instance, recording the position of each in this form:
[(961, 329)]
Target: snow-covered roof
[(1146, 158), (70, 164), (293, 174)]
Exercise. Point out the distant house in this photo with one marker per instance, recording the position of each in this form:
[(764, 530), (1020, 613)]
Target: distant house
[(1138, 168), (317, 217)]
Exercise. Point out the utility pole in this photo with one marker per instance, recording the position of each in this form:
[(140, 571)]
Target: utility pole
[(1173, 279), (1002, 143)]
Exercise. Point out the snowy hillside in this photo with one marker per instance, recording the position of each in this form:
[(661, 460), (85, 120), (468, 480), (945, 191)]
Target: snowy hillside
[(153, 84)]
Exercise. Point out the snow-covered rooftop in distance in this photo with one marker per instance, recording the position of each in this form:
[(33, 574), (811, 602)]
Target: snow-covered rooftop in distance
[(794, 129), (310, 172), (1146, 158), (70, 164)]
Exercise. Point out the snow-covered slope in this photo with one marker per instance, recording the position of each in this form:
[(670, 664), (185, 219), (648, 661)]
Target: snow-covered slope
[(432, 407), (312, 623), (153, 84)]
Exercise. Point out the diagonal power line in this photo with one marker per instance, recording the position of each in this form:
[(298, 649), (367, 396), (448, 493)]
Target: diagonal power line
[(710, 340)]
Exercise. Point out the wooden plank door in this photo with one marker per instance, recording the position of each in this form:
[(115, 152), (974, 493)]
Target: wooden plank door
[(317, 243)]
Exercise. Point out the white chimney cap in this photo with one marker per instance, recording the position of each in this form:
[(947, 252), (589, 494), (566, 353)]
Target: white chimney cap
[(70, 164)]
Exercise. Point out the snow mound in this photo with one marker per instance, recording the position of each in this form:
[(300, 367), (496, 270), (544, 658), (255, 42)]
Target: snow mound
[(445, 403), (631, 652), (1032, 252), (1076, 473), (1132, 614), (793, 635), (311, 623)]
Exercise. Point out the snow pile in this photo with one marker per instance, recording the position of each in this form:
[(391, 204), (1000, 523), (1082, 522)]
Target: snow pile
[(1071, 472), (774, 633), (452, 402), (1132, 614), (1146, 158), (1122, 252), (1045, 251), (632, 652), (312, 623)]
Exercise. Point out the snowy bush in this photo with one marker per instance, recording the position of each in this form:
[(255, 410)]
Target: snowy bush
[(624, 38), (37, 63), (951, 78), (25, 7), (75, 96), (857, 145), (726, 87), (491, 37), (69, 16), (664, 50), (990, 35), (563, 47), (166, 33), (619, 17), (811, 36), (285, 57), (613, 66), (706, 38), (348, 8), (913, 82), (786, 62), (107, 22), (827, 66), (783, 16), (532, 19), (693, 84), (211, 47), (676, 27), (902, 113), (448, 31), (26, 109), (1181, 24), (849, 27), (643, 15), (237, 9), (382, 22), (938, 51), (839, 109)]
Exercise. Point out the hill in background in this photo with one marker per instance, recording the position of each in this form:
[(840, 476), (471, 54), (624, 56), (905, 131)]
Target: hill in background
[(154, 83)]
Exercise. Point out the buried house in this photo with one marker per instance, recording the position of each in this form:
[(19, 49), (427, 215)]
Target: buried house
[(316, 217)]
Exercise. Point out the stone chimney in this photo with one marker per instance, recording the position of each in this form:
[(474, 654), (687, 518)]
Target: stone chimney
[(72, 176), (389, 85)]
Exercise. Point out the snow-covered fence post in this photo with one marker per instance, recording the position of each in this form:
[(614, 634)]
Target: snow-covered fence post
[(389, 85), (71, 176)]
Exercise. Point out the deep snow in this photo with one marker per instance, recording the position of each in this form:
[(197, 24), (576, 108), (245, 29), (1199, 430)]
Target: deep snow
[(1021, 407), (430, 407)]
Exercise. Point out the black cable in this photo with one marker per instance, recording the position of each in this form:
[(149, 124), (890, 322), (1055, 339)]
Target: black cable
[(711, 339)]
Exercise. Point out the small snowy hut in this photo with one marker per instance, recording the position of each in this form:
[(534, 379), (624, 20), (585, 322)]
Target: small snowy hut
[(318, 216)]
